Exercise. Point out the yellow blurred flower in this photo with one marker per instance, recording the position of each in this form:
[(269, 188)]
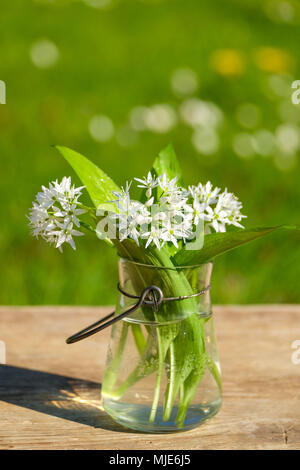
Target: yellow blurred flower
[(228, 62), (271, 59)]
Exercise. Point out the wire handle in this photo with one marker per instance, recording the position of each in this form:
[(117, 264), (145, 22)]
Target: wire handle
[(105, 321), (151, 295)]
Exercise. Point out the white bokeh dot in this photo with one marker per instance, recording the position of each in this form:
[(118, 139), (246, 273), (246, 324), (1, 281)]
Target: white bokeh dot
[(205, 141), (263, 142), (248, 115), (101, 128), (161, 118), (243, 145), (195, 112), (137, 118), (184, 82), (97, 3), (285, 162), (44, 54), (288, 138)]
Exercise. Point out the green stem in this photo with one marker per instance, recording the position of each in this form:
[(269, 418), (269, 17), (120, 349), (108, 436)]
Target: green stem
[(156, 392), (214, 370), (139, 338), (146, 366), (170, 392), (175, 284), (90, 210), (87, 226), (112, 372)]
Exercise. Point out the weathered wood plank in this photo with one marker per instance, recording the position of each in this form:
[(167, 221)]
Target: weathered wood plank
[(49, 391)]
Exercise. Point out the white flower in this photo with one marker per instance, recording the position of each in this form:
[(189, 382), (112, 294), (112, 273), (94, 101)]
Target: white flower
[(66, 189), (217, 219), (175, 214), (226, 211), (229, 204), (55, 211), (69, 213), (167, 185), (148, 183), (47, 197), (150, 202), (154, 235), (131, 216), (123, 199), (65, 234), (197, 211), (173, 232), (208, 195)]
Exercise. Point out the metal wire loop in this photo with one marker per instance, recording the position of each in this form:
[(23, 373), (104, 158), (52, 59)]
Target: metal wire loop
[(151, 296)]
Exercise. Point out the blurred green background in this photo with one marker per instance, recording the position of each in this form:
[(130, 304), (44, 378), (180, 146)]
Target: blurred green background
[(117, 80)]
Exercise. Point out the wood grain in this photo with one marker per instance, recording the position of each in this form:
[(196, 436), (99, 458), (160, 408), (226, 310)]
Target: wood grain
[(49, 391)]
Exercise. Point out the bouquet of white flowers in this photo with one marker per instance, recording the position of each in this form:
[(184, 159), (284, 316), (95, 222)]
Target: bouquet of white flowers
[(171, 229)]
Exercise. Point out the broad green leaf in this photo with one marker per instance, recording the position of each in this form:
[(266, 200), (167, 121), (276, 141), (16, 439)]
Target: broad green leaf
[(166, 162), (97, 183), (217, 243)]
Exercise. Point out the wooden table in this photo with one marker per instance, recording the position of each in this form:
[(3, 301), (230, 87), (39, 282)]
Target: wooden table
[(49, 391)]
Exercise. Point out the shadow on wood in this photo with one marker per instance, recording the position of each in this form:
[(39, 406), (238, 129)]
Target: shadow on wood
[(56, 395)]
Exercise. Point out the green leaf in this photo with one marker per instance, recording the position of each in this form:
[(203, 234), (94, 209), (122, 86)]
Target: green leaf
[(97, 183), (166, 162), (217, 243), (189, 388)]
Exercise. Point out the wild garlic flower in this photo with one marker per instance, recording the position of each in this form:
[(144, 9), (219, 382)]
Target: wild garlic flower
[(55, 212), (173, 213), (227, 211), (168, 186), (170, 215), (205, 194), (154, 235), (148, 183)]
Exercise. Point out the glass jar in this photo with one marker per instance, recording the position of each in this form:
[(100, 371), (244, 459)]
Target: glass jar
[(162, 372)]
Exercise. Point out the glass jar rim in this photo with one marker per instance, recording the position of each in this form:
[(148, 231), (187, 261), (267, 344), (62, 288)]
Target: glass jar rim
[(145, 265)]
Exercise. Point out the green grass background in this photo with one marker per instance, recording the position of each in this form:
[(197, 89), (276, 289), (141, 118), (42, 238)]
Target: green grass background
[(112, 60)]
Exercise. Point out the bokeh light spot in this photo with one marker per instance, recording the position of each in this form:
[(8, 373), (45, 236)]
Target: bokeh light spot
[(287, 138), (289, 112), (280, 85), (97, 3), (184, 82), (285, 162), (137, 118), (263, 142), (248, 115), (195, 112), (205, 141), (101, 128), (161, 118), (243, 145), (228, 62), (272, 59), (44, 54)]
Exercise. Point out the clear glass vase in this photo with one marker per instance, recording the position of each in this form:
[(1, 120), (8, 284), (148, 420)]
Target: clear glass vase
[(162, 372)]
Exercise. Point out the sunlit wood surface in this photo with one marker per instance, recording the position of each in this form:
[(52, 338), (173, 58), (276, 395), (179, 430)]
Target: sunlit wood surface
[(49, 391)]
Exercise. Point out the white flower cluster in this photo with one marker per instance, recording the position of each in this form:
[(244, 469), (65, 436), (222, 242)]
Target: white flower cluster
[(215, 208), (55, 212), (171, 213)]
